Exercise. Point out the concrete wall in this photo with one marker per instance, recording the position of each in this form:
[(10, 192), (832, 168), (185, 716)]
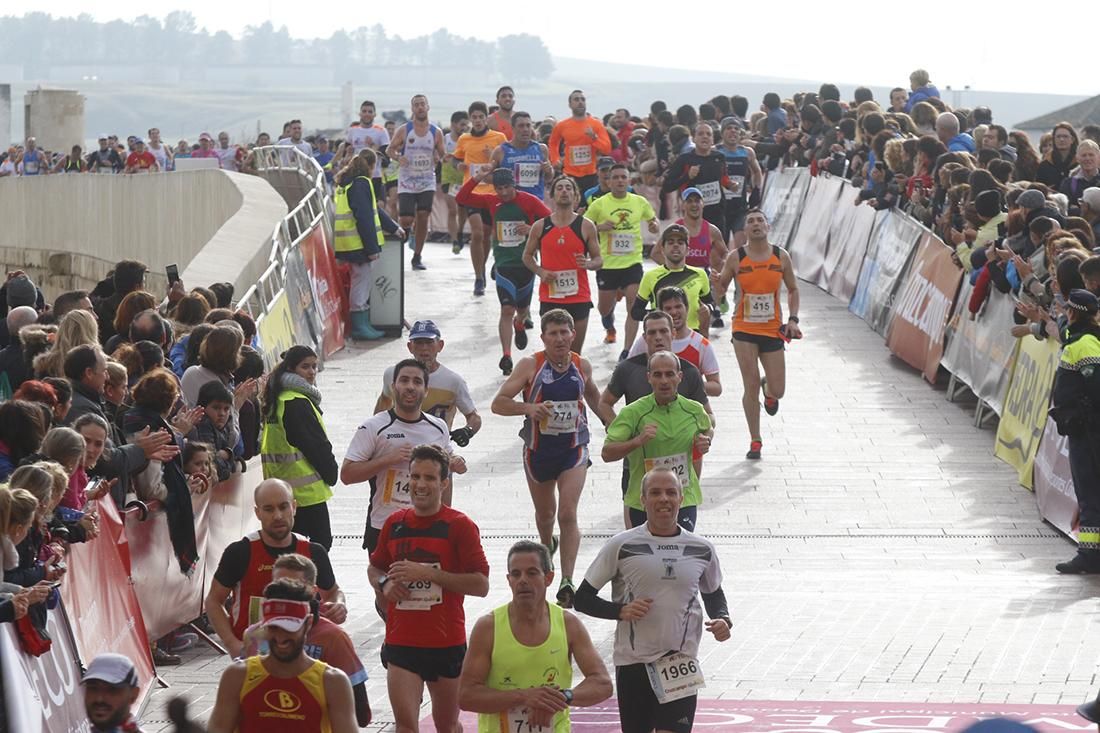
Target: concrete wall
[(55, 117), (68, 231)]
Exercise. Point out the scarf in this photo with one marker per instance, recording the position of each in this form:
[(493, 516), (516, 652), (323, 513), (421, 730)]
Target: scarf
[(8, 553), (292, 381)]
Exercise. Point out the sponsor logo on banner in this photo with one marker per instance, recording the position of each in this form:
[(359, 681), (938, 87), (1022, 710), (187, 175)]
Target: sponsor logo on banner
[(849, 234), (888, 255), (1025, 406), (811, 240), (784, 191), (1054, 490), (923, 307), (328, 292), (276, 330), (980, 350)]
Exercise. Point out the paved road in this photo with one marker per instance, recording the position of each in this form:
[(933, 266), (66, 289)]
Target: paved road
[(878, 552)]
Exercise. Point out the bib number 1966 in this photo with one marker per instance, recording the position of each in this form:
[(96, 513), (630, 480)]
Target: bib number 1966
[(675, 676)]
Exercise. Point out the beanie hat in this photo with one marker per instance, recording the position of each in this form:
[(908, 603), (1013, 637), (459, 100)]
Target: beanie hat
[(988, 204), (21, 291), (1031, 199)]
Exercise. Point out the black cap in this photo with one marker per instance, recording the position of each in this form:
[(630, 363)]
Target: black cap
[(604, 163), (503, 177)]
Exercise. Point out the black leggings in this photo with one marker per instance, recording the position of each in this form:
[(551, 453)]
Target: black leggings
[(312, 521)]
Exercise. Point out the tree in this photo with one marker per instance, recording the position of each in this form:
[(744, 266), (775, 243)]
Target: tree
[(523, 56), (221, 50)]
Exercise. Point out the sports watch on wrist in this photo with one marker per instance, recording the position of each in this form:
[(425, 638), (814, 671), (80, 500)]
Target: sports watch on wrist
[(568, 695)]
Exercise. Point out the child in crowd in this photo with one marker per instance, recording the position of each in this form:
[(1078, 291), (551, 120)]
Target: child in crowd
[(217, 403), (198, 465)]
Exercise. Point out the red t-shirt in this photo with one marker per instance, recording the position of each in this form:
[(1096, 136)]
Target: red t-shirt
[(433, 617), (142, 161)]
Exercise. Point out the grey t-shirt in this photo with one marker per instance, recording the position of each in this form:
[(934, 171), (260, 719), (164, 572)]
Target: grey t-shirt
[(629, 379)]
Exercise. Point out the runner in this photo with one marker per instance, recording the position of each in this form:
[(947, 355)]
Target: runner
[(163, 153), (528, 160), (518, 673), (618, 217), (631, 379), (661, 430), (474, 154), (759, 269), (555, 383), (704, 169), (511, 214), (286, 690), (428, 558), (688, 344), (380, 449), (659, 570), (245, 568), (447, 393), (706, 246), (567, 248), (501, 119), (745, 180), (582, 138), (417, 146), (693, 281), (369, 135), (451, 180), (325, 641), (603, 185)]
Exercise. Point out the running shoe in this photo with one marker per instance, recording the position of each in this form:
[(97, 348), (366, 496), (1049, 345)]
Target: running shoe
[(754, 450), (479, 286), (181, 642), (417, 264), (553, 544), (528, 323), (521, 335), (456, 247), (1079, 565), (162, 658), (724, 305), (566, 593), (505, 364), (610, 337), (717, 322), (771, 404)]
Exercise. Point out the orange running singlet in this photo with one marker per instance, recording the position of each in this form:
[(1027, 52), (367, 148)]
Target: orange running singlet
[(758, 312)]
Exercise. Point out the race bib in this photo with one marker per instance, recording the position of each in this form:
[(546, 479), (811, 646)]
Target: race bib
[(528, 174), (737, 185), (580, 155), (675, 676), (421, 163), (30, 167), (677, 464), (509, 234), (564, 283), (515, 721), (563, 418), (476, 169), (712, 192), (759, 308), (622, 243), (423, 594), (395, 487)]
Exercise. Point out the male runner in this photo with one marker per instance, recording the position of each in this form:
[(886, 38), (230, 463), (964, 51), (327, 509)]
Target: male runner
[(704, 169), (556, 383), (379, 451), (528, 160), (285, 690), (688, 344), (759, 269), (429, 557), (511, 214), (230, 157), (474, 154), (582, 138), (745, 180), (603, 185), (706, 243), (659, 570), (245, 567), (694, 281), (501, 119), (567, 248), (618, 217), (369, 135), (631, 380), (416, 146), (163, 153), (450, 178), (447, 393), (518, 673), (661, 430), (325, 640)]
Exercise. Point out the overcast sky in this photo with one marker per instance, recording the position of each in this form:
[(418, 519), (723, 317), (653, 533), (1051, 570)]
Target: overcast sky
[(787, 39)]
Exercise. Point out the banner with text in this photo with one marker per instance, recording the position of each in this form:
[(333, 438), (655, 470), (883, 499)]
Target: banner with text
[(784, 191), (888, 254), (849, 232), (980, 349), (810, 243), (42, 694), (1026, 401), (328, 292), (1054, 490), (923, 307)]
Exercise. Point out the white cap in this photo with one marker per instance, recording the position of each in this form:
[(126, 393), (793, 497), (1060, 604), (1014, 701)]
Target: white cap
[(114, 669)]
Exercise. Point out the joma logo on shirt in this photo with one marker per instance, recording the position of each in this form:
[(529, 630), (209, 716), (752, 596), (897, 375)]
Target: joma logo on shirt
[(390, 436), (668, 547)]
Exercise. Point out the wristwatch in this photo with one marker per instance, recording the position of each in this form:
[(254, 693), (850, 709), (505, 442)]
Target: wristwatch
[(568, 695), (382, 582), (793, 318)]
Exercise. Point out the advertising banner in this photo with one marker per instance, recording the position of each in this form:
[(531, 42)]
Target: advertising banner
[(888, 254), (328, 291), (980, 349), (1053, 483), (42, 694), (784, 191), (1026, 401), (304, 314), (849, 232), (276, 330), (923, 307), (811, 240)]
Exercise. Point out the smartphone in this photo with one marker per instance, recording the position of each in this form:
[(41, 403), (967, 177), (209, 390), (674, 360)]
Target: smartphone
[(173, 273)]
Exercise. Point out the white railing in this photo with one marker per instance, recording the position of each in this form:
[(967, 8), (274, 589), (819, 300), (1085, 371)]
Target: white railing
[(299, 222)]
